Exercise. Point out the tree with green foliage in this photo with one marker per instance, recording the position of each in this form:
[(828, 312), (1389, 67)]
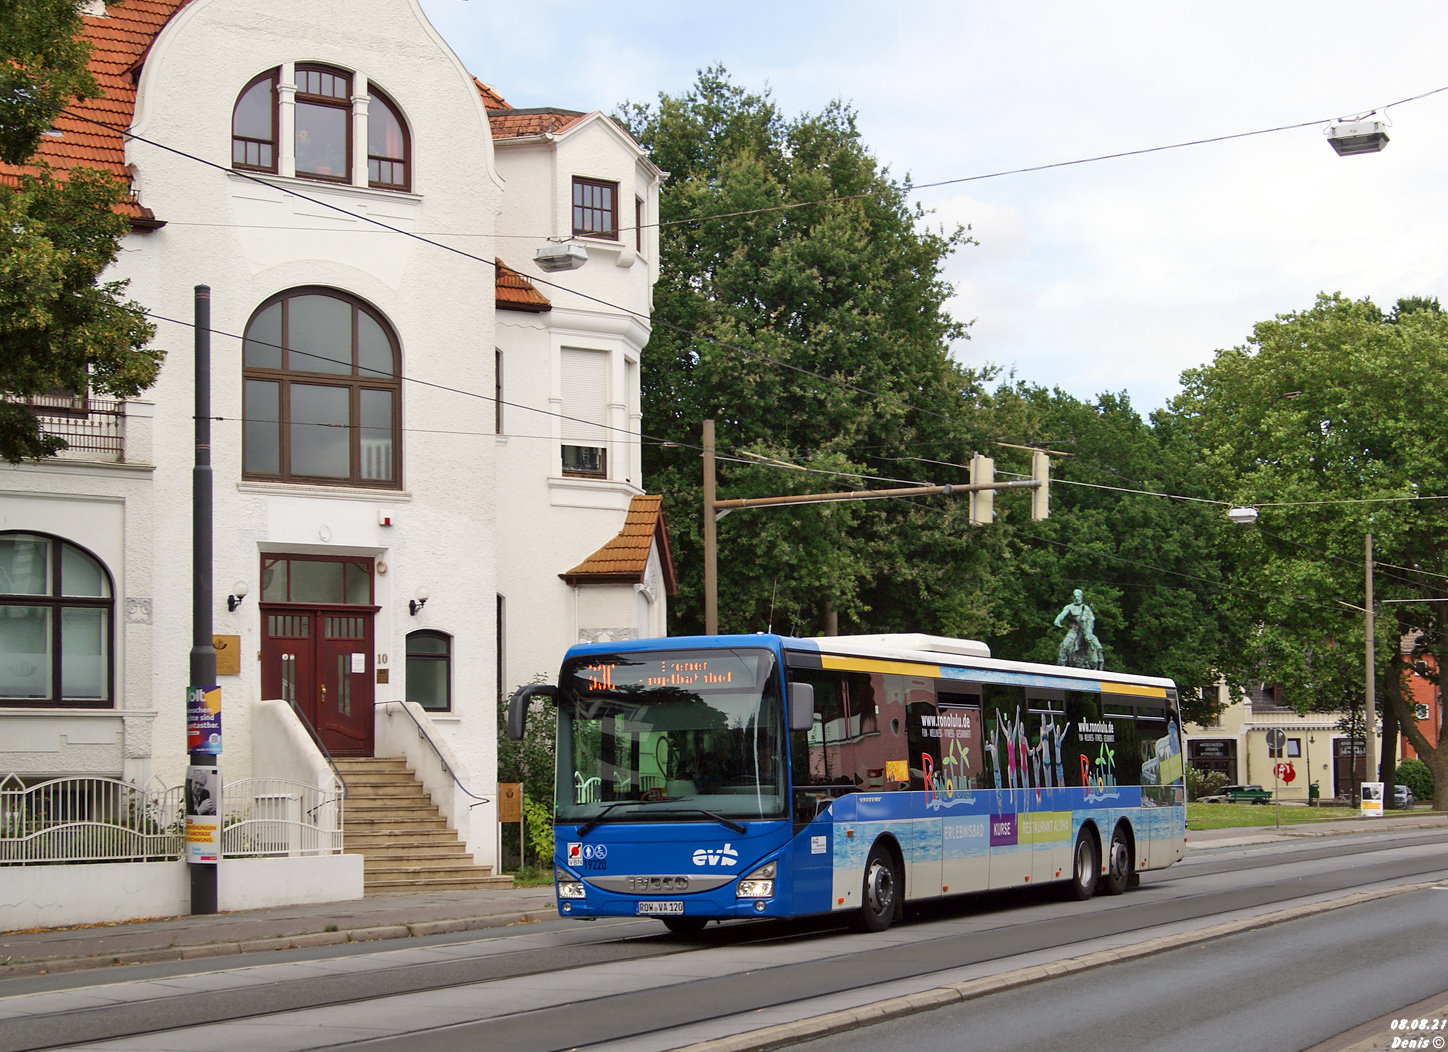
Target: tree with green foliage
[(801, 306), (61, 328), (1129, 527), (1330, 421)]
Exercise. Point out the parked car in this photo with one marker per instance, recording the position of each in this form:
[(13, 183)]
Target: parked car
[(1404, 798), (1239, 794)]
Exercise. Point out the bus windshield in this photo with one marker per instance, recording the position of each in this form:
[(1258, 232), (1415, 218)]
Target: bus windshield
[(671, 735)]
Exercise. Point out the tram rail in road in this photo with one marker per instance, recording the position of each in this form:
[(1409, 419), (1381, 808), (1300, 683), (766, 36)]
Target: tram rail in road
[(613, 981)]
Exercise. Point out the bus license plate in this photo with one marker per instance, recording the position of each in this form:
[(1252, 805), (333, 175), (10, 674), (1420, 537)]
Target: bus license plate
[(659, 908)]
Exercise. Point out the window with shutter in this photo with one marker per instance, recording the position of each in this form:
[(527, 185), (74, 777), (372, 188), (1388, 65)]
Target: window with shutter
[(585, 436)]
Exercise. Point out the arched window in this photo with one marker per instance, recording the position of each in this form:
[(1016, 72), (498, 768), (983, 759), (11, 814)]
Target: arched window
[(387, 145), (56, 623), (322, 111), (254, 125), (429, 670), (322, 392)]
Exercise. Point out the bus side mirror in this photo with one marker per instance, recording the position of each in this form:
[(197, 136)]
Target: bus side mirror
[(801, 706), (518, 706)]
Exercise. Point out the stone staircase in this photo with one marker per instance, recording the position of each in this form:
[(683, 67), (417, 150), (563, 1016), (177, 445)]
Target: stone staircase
[(405, 842)]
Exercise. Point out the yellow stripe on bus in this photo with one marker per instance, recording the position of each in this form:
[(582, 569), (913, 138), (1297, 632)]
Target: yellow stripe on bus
[(1108, 687), (896, 668)]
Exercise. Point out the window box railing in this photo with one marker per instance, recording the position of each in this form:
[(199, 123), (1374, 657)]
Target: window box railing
[(94, 429)]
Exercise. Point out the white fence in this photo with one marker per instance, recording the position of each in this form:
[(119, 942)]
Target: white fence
[(275, 816), (88, 819)]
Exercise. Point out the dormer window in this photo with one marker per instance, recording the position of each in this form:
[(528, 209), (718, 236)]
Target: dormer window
[(324, 109)]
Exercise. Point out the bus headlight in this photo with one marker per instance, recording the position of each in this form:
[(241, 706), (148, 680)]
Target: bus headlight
[(757, 885), (569, 886)]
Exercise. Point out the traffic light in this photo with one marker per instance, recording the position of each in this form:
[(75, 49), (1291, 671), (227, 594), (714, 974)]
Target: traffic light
[(1041, 495), (982, 501)]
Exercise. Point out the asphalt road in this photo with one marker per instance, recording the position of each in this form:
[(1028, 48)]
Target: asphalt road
[(1287, 987), (626, 986)]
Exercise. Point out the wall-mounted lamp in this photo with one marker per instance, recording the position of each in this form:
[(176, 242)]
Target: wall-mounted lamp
[(238, 593), (414, 605)]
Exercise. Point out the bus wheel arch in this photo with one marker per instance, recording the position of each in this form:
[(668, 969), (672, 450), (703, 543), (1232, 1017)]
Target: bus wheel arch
[(1085, 862), (882, 894), (1120, 859)]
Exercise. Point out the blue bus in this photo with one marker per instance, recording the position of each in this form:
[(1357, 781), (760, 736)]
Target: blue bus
[(715, 777)]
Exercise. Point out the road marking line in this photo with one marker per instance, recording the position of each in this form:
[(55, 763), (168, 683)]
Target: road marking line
[(781, 1034)]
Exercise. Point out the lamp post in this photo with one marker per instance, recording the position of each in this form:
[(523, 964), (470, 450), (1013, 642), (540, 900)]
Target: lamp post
[(1246, 516)]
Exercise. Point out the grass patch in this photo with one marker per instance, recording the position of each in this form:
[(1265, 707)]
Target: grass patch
[(533, 877), (1231, 816), (1227, 816)]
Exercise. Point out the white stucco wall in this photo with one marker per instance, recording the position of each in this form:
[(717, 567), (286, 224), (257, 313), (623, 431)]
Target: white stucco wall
[(111, 893), (477, 515), (250, 239), (542, 612)]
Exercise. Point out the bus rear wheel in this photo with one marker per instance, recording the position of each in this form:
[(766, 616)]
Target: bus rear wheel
[(881, 892), (685, 925), (1119, 863), (1086, 866)]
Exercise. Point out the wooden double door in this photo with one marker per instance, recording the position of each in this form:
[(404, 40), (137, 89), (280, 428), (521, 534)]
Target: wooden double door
[(319, 658)]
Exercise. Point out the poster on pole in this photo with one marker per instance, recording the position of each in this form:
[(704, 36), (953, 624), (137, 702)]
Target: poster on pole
[(1372, 803), (203, 720), (203, 815)]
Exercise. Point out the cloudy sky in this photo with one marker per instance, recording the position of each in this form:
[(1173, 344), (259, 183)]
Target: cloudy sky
[(1112, 276)]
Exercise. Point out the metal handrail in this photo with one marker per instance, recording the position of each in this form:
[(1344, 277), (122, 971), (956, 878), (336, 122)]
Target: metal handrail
[(422, 733), (317, 740)]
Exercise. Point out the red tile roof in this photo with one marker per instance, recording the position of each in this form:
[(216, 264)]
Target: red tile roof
[(92, 138), (512, 291), (491, 99), (625, 559), (508, 123)]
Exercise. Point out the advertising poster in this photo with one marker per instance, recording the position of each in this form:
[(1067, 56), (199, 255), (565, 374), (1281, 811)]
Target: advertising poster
[(957, 728), (203, 815), (1372, 806), (203, 720)]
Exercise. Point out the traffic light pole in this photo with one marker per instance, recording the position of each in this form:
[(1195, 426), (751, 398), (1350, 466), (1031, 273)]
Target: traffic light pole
[(981, 513)]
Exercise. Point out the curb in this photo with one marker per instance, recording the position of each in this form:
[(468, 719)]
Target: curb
[(781, 1034), (305, 940)]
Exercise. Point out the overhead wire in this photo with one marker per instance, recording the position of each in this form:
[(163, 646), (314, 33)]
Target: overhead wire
[(640, 315)]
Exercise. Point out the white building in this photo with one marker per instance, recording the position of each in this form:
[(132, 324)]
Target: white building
[(394, 419)]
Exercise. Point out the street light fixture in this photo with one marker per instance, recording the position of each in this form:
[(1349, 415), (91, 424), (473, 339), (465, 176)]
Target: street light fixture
[(1354, 137)]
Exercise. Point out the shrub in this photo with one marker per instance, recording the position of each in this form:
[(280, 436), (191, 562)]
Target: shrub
[(1203, 783), (1417, 776)]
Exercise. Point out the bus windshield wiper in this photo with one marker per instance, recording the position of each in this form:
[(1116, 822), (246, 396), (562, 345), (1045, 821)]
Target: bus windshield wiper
[(584, 829), (741, 830)]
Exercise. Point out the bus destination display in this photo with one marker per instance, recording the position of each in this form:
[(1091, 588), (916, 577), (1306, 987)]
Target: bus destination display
[(693, 671)]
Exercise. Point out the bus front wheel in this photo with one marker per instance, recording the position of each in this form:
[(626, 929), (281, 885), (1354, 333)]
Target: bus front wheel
[(881, 892), (1086, 867)]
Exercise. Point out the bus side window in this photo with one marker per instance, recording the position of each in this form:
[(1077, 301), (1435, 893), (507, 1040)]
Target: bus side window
[(922, 720), (815, 754)]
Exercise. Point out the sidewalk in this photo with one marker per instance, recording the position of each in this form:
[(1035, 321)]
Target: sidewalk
[(286, 927)]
